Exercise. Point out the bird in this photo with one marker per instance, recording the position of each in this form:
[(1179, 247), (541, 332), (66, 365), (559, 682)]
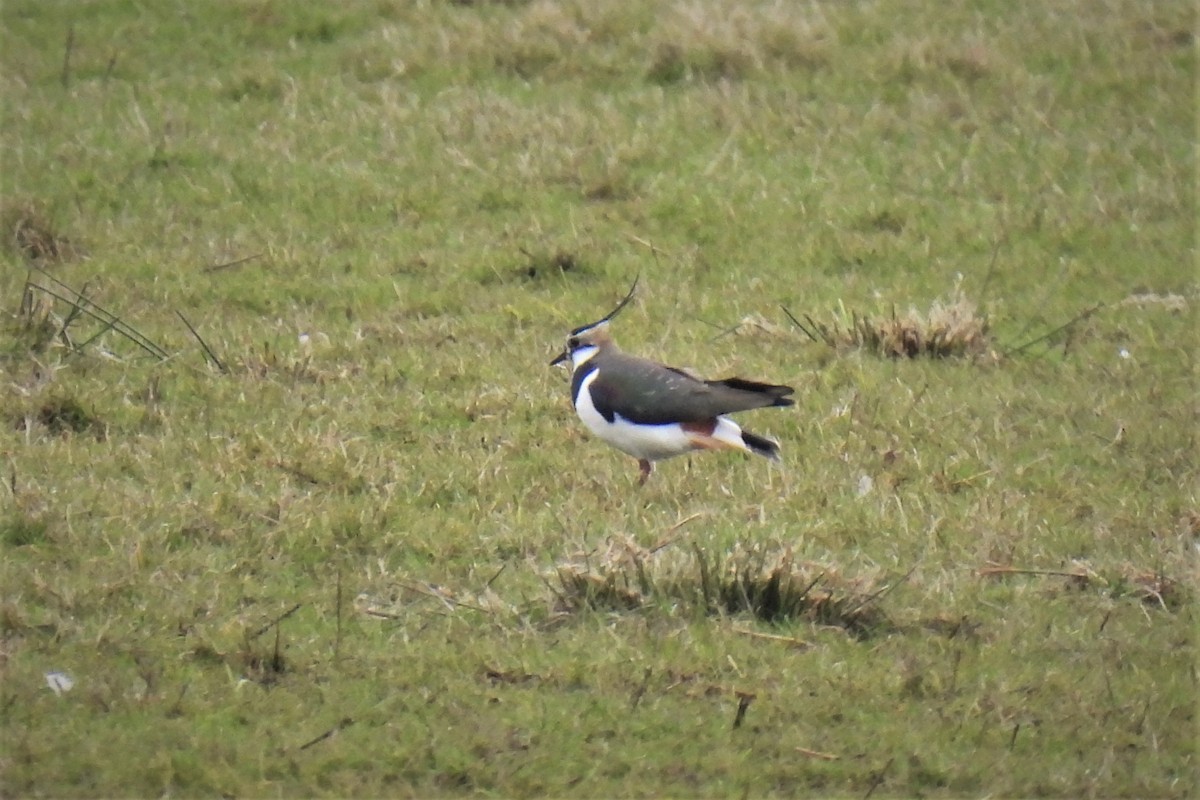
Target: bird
[(651, 411)]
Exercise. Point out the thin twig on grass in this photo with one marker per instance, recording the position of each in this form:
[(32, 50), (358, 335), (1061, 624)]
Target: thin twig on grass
[(111, 320), (744, 701), (1066, 326), (230, 264), (67, 50), (877, 778), (379, 613), (296, 472), (344, 723), (668, 539), (653, 248), (337, 641), (804, 751), (276, 621), (723, 331), (276, 663), (449, 602), (208, 351), (991, 270), (706, 590), (492, 579), (801, 326), (772, 637), (78, 348), (85, 305), (640, 691), (987, 572), (71, 316), (886, 590), (508, 676)]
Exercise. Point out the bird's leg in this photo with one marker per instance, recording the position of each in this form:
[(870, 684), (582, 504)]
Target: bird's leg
[(646, 468)]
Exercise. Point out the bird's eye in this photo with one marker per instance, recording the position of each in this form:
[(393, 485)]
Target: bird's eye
[(573, 343)]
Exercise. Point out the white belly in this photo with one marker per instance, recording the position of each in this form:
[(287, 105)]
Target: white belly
[(651, 442)]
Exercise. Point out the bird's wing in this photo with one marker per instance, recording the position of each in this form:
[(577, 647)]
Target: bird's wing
[(649, 393)]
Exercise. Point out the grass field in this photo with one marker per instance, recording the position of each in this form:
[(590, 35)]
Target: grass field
[(292, 498)]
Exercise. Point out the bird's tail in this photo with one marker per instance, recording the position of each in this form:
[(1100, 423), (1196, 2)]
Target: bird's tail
[(728, 434), (761, 445)]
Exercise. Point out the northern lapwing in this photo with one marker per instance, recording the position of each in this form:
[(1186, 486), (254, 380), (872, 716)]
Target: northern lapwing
[(652, 411)]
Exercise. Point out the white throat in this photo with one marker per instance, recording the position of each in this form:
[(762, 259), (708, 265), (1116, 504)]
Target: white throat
[(582, 355)]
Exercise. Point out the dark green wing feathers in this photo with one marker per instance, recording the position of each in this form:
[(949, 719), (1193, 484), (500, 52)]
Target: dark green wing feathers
[(649, 393)]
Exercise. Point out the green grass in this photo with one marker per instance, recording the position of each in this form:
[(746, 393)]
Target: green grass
[(333, 554)]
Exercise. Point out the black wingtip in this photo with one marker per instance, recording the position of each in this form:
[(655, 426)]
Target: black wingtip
[(778, 393), (761, 445)]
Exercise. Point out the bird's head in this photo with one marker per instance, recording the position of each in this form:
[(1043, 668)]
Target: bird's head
[(586, 341)]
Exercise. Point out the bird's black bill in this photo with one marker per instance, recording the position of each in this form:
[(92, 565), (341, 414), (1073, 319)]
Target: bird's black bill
[(565, 354)]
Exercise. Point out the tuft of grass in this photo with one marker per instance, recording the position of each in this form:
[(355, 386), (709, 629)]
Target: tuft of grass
[(29, 233), (58, 414), (952, 327), (39, 324), (19, 529), (768, 584), (34, 326)]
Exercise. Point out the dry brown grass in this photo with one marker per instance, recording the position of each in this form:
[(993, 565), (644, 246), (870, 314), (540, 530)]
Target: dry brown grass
[(766, 583), (693, 42), (30, 233), (952, 327), (1150, 585)]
